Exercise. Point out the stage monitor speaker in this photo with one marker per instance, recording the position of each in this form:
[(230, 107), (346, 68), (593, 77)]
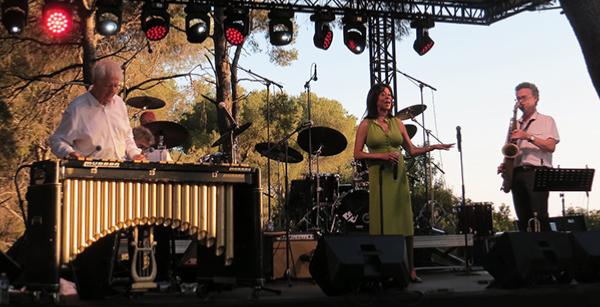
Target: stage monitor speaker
[(341, 264), (586, 252), (519, 259)]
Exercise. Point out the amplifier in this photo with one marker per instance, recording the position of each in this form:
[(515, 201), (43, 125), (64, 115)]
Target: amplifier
[(567, 223), (302, 246)]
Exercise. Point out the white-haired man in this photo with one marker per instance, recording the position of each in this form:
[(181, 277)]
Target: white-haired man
[(96, 124)]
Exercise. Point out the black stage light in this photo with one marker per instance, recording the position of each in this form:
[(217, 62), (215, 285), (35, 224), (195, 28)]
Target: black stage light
[(323, 35), (423, 43), (281, 27), (57, 17), (197, 22), (155, 20), (237, 25), (14, 15), (355, 33), (109, 15)]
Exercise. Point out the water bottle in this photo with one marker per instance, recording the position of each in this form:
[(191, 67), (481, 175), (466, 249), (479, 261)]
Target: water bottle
[(4, 283)]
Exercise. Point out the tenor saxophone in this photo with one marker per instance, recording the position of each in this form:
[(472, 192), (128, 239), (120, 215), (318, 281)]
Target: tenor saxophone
[(510, 150)]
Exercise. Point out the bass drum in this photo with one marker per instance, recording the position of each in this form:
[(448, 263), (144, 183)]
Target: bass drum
[(351, 212)]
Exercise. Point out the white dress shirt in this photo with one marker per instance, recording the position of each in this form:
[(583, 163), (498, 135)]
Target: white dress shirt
[(95, 130), (542, 127)]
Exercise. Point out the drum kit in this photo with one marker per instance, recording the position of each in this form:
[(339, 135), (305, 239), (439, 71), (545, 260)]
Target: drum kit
[(318, 202)]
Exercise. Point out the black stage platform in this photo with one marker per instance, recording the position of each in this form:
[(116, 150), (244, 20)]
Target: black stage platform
[(440, 288)]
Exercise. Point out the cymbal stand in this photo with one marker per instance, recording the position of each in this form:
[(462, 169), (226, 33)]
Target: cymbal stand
[(428, 172), (288, 250), (313, 77), (267, 82)]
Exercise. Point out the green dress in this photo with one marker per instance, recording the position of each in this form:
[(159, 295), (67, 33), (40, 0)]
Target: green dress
[(397, 210)]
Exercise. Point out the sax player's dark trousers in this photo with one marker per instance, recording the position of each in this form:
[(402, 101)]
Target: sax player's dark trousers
[(526, 201)]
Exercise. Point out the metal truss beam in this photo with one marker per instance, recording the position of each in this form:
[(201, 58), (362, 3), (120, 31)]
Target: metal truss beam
[(483, 12), (382, 53)]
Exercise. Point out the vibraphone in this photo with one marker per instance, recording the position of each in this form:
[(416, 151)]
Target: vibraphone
[(72, 204)]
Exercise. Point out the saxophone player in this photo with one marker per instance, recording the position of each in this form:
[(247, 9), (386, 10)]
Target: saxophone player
[(536, 137)]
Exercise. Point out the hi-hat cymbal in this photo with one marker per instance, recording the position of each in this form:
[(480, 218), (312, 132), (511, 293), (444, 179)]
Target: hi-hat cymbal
[(328, 140), (410, 112), (145, 102), (173, 134), (411, 130), (227, 135), (276, 152)]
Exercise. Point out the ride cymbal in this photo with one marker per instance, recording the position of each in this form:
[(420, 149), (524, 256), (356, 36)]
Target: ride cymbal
[(146, 102), (276, 152), (173, 134), (411, 112), (227, 135), (328, 140)]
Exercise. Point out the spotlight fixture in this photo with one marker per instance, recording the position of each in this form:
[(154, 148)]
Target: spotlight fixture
[(423, 43), (155, 19), (197, 22), (14, 15), (57, 17), (109, 14), (237, 25), (323, 35), (281, 27), (355, 33)]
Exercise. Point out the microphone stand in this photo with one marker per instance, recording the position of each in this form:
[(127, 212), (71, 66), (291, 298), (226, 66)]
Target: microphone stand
[(463, 207), (428, 174), (267, 82), (313, 77)]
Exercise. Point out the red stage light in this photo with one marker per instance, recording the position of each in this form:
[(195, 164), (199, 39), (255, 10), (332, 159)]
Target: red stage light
[(57, 18), (156, 31), (234, 36)]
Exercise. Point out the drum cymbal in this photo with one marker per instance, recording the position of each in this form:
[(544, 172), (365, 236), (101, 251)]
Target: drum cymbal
[(173, 134), (411, 130), (330, 141), (411, 112), (145, 102), (276, 152), (227, 135)]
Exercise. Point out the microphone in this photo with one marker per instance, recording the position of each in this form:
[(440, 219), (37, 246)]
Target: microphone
[(97, 149), (224, 107), (315, 75), (458, 138)]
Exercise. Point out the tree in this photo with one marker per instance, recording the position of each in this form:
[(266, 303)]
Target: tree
[(583, 16)]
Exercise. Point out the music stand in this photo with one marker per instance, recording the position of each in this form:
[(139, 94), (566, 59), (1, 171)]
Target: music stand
[(563, 179)]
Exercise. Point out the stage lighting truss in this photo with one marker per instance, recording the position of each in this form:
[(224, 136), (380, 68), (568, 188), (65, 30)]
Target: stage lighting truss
[(323, 34), (237, 25), (109, 15), (197, 22), (155, 19), (423, 43), (57, 17), (281, 27), (14, 15), (355, 33)]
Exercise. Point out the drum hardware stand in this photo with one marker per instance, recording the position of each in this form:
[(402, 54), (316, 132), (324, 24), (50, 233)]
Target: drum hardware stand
[(267, 82), (428, 174), (288, 249), (467, 270)]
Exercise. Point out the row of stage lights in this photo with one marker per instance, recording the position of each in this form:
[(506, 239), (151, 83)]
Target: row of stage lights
[(155, 20)]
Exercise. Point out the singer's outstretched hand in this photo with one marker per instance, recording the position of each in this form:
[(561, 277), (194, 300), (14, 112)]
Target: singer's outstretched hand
[(442, 146)]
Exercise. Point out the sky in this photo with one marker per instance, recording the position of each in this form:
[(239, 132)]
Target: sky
[(474, 69)]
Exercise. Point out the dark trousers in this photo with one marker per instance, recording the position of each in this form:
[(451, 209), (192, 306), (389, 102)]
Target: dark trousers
[(527, 201)]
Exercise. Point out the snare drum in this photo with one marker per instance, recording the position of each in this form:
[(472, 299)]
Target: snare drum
[(351, 212)]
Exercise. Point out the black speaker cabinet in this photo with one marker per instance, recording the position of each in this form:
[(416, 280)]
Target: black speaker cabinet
[(586, 252), (567, 223), (341, 264), (527, 258)]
